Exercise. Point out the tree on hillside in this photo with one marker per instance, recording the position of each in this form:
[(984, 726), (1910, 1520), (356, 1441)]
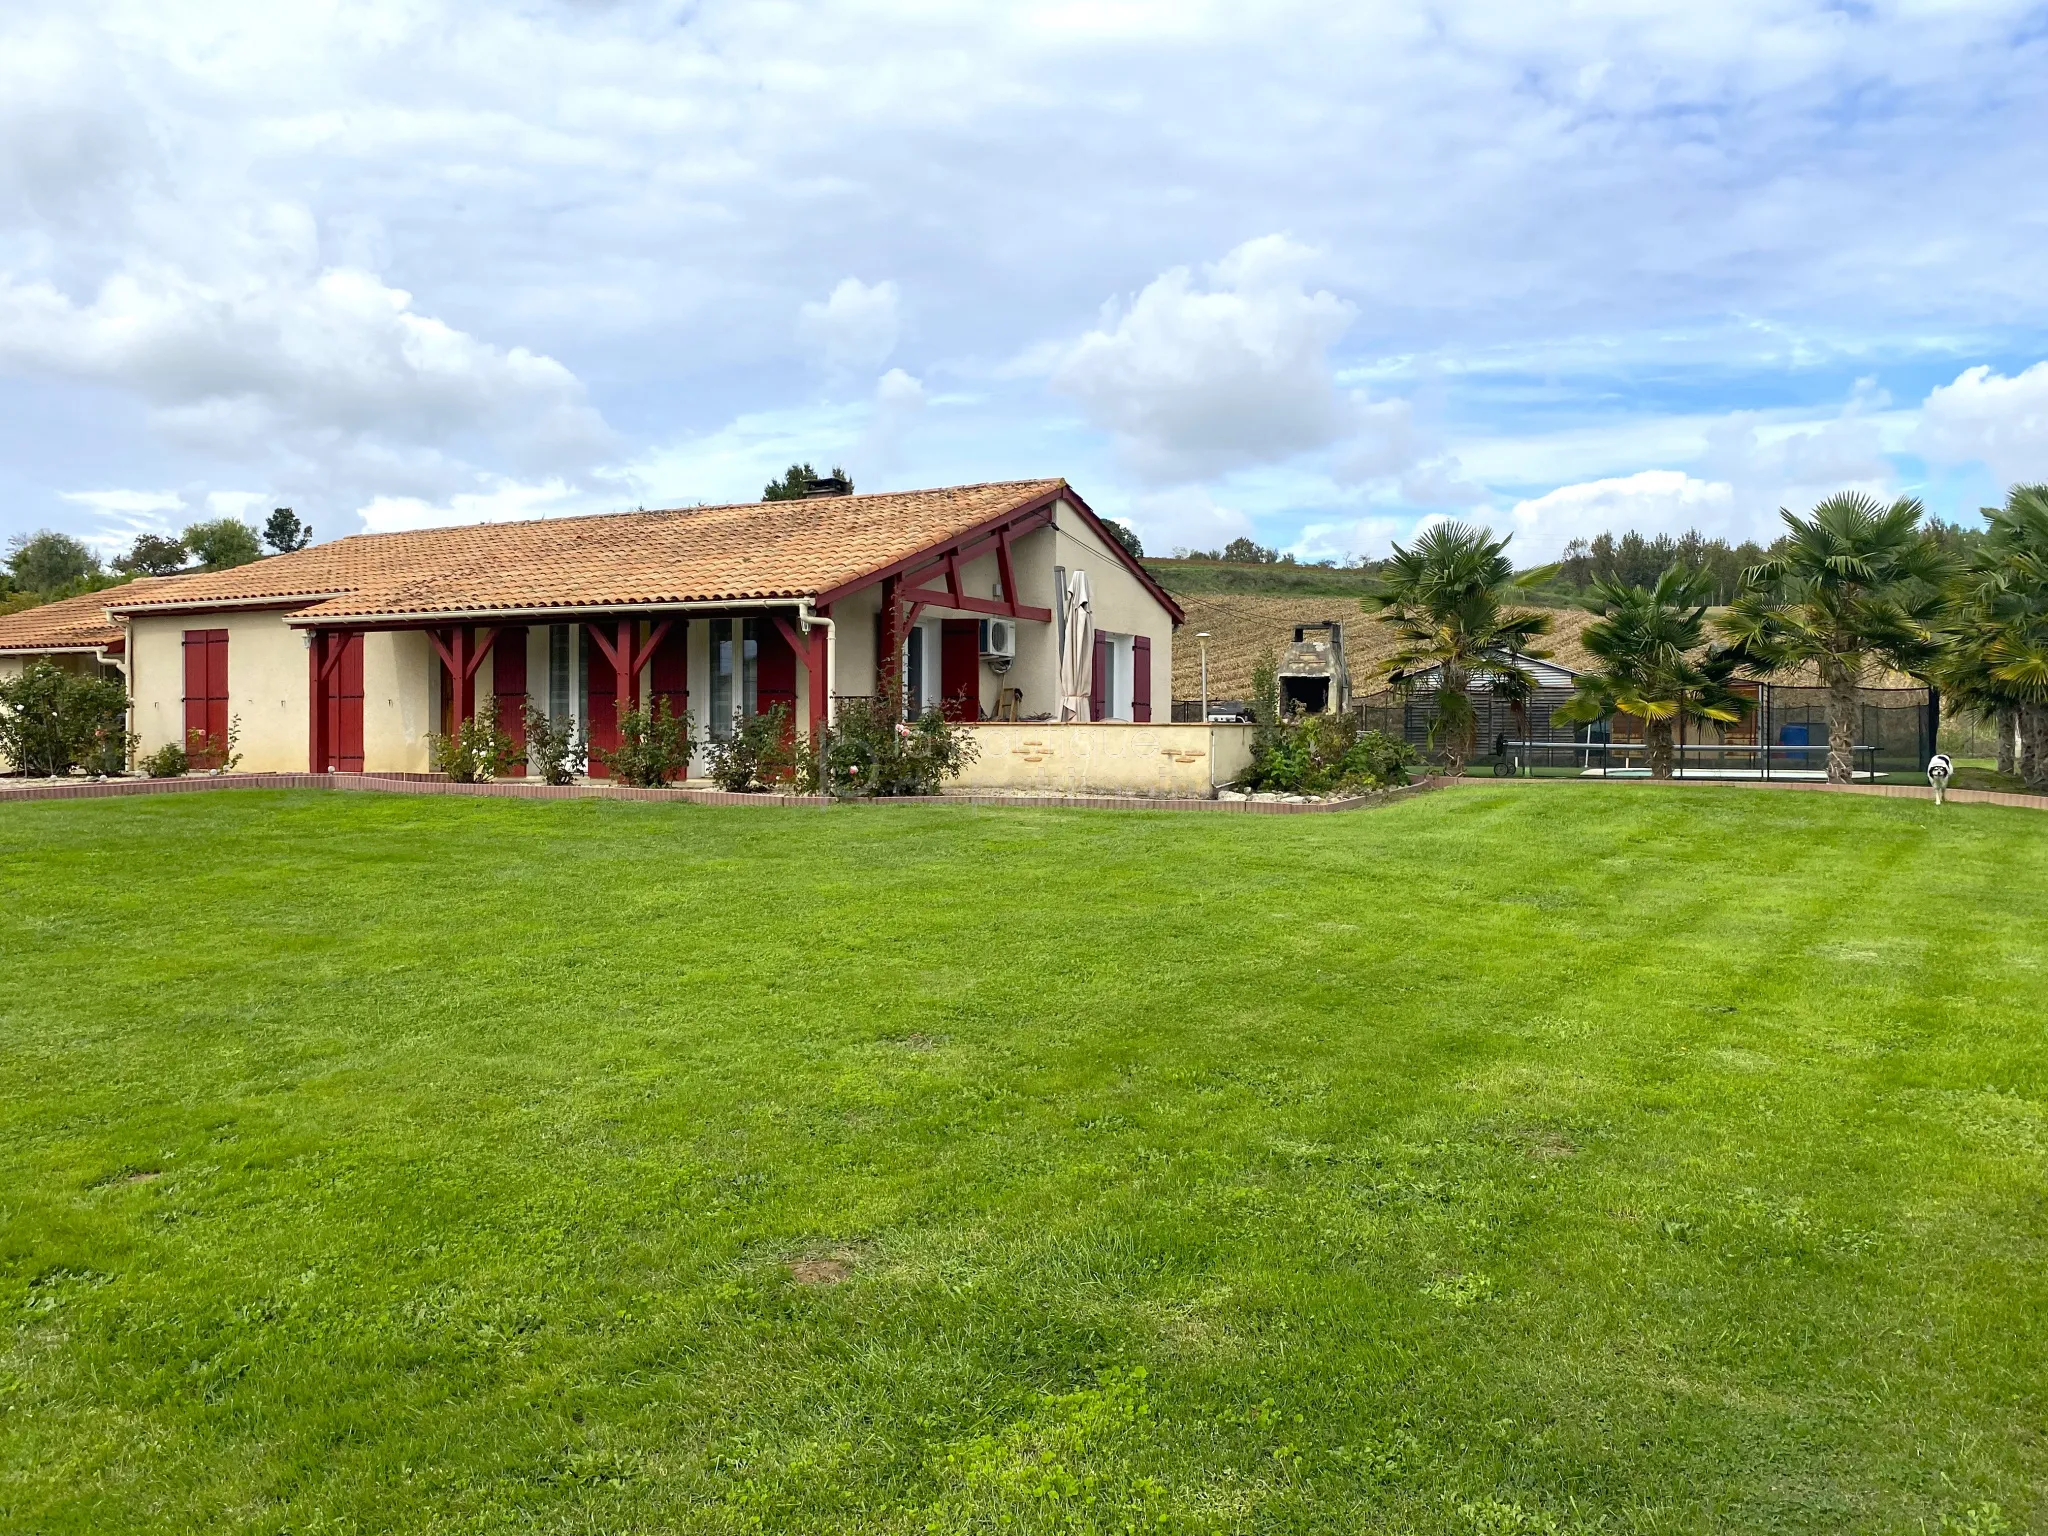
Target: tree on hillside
[(222, 543), (795, 483), (285, 533), (1245, 552), (1446, 596), (152, 555), (1856, 582), (1125, 535), (1635, 561), (1995, 661), (1656, 667), (47, 561)]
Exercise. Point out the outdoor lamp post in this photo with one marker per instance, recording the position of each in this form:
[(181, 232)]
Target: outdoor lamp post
[(1203, 636)]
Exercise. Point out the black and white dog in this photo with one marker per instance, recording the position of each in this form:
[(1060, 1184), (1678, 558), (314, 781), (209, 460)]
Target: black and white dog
[(1938, 770)]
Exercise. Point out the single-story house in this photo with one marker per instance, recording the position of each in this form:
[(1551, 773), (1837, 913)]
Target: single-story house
[(349, 655)]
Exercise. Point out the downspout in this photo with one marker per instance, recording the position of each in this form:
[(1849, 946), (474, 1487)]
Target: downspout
[(805, 618)]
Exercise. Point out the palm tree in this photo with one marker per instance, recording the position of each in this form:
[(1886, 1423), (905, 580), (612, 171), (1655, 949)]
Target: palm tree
[(1652, 641), (1446, 596), (1856, 582), (1996, 663)]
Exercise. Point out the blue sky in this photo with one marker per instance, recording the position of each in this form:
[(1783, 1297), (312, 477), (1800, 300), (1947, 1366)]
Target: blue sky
[(1314, 273)]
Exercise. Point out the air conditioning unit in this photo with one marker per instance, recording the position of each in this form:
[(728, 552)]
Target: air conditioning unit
[(999, 639)]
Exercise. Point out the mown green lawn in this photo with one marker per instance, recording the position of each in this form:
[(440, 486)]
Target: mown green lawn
[(1511, 1159)]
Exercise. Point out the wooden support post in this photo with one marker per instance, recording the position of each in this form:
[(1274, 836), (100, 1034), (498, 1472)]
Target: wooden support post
[(821, 682), (317, 746)]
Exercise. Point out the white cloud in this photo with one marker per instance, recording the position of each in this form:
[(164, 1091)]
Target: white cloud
[(899, 402), (1652, 502), (1194, 380), (506, 502), (1185, 517), (602, 195), (856, 327), (240, 504), (122, 514), (1988, 418)]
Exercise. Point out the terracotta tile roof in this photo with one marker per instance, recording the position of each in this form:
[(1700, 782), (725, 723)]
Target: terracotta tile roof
[(757, 549), (74, 623)]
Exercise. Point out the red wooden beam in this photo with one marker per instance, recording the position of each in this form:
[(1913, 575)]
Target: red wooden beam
[(480, 646), (1007, 576), (334, 652), (316, 698), (1019, 520), (982, 605)]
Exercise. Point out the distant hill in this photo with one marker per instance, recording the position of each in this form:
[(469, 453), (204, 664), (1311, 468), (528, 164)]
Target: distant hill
[(1192, 577), (1196, 578)]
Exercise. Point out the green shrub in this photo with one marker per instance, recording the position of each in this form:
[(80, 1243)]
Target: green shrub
[(760, 752), (1325, 754), (52, 721), (480, 749), (554, 753), (871, 750), (222, 752), (169, 761), (653, 749)]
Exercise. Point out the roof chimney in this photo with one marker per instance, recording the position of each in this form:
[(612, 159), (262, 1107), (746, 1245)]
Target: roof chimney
[(827, 485)]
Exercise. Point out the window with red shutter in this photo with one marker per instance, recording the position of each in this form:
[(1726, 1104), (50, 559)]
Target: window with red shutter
[(206, 696), (1141, 678), (508, 687)]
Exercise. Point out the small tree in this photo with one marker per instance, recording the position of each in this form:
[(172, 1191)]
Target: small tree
[(1326, 754), (555, 752), (1855, 582), (1245, 552), (654, 746), (216, 754), (1994, 659), (760, 752), (480, 749), (1446, 597), (152, 555), (869, 749), (284, 533), (48, 561), (1652, 642), (1125, 535), (52, 721), (223, 543), (169, 761)]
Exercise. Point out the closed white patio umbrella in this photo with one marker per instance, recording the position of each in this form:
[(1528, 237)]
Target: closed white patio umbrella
[(1077, 659)]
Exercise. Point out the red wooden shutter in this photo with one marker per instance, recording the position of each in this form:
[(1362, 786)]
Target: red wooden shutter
[(960, 669), (1141, 678), (206, 695), (345, 733), (508, 687), (670, 672), (195, 686), (1098, 680), (775, 670), (602, 727)]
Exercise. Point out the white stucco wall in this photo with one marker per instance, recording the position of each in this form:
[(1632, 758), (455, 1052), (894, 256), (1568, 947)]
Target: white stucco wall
[(1108, 758), (398, 713), (266, 684)]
